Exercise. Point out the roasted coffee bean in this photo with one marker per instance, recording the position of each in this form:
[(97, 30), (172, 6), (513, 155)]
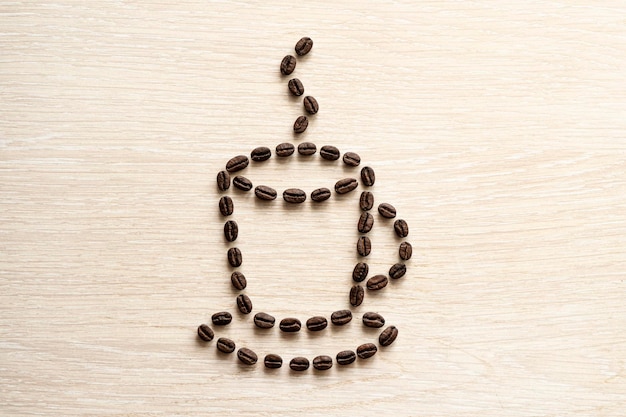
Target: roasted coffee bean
[(366, 222), (222, 318), (405, 251), (388, 336), (377, 282), (231, 230), (242, 183), (322, 363), (401, 227), (205, 333), (260, 154), (356, 295), (225, 345), (303, 46), (300, 124), (285, 149), (364, 246), (397, 271), (223, 180), (235, 258), (359, 273), (296, 87), (273, 361), (237, 163), (341, 317), (366, 201), (346, 185), (366, 350), (329, 153), (299, 364), (373, 320), (307, 148), (290, 325), (368, 176), (294, 195), (247, 356), (310, 105), (387, 210), (346, 357), (264, 320), (226, 205), (264, 192), (238, 280), (244, 304), (317, 323), (351, 159), (321, 194), (288, 64)]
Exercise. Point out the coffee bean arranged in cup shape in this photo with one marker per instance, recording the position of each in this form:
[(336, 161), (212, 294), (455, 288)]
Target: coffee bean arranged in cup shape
[(242, 183), (290, 325), (247, 356), (330, 153), (364, 246), (346, 357), (346, 185), (366, 222), (307, 148), (222, 318), (263, 192), (360, 271), (321, 194), (235, 258), (226, 206), (223, 180), (374, 320), (357, 293), (368, 176), (366, 350), (377, 282), (310, 105), (322, 362), (205, 333), (288, 64), (294, 195), (300, 124), (264, 320), (351, 159), (366, 201), (387, 210), (299, 364), (231, 230), (237, 163), (285, 149), (295, 87), (225, 345), (238, 280), (341, 317), (273, 361), (303, 46), (401, 228), (388, 336), (260, 154), (316, 324), (397, 270), (244, 304), (405, 251)]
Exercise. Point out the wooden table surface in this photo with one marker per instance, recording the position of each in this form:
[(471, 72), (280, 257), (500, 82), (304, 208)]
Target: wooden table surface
[(497, 130)]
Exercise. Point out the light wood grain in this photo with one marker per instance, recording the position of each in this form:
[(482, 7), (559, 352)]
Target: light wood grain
[(497, 129)]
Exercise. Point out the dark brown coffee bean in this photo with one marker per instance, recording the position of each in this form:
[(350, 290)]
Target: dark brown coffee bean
[(222, 318), (237, 163), (247, 356), (364, 246), (260, 154), (322, 363), (205, 333), (321, 194), (242, 183), (273, 361), (346, 357), (373, 320), (405, 251), (299, 364), (360, 272), (290, 325), (310, 105), (317, 323), (235, 258), (288, 64), (307, 148), (294, 195), (346, 185), (285, 149), (244, 304), (388, 336), (231, 230), (238, 280), (300, 124), (387, 210), (401, 227), (366, 201), (351, 159), (225, 345), (341, 317), (356, 295), (264, 320), (397, 271), (303, 46), (366, 222), (377, 282), (223, 180), (264, 192), (366, 350), (296, 87), (329, 153), (226, 206), (368, 176)]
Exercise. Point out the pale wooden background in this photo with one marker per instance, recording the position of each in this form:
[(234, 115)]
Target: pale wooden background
[(497, 130)]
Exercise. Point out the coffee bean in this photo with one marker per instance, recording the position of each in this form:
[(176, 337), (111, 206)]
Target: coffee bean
[(294, 195), (238, 280), (290, 325), (273, 361), (235, 258), (310, 105), (231, 230), (264, 192), (299, 364), (288, 64), (296, 87), (346, 185), (329, 153), (264, 320), (401, 228), (351, 159), (226, 205), (244, 304), (222, 318), (366, 222), (366, 201), (387, 210), (225, 345), (237, 163), (346, 357), (260, 154), (223, 180), (285, 149), (205, 333), (322, 362), (388, 336), (364, 246), (247, 356), (360, 272), (368, 176), (303, 46), (317, 323), (397, 271), (366, 350), (300, 124), (377, 282), (307, 148), (356, 295), (341, 317), (242, 183), (373, 320), (321, 194), (405, 251)]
